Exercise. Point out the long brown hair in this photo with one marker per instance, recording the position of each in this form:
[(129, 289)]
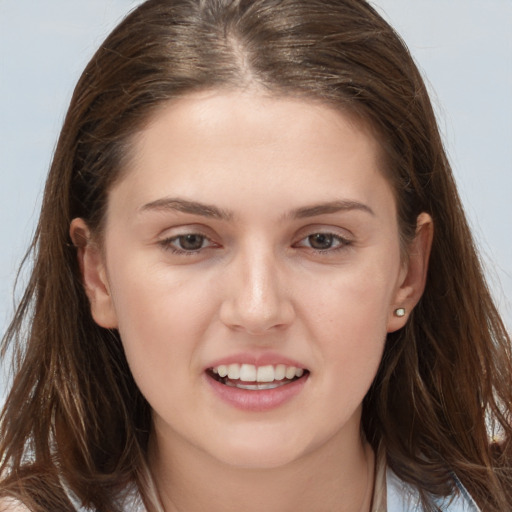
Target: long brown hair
[(445, 383)]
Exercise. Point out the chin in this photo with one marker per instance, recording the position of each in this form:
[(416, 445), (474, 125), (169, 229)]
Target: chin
[(258, 460), (263, 452)]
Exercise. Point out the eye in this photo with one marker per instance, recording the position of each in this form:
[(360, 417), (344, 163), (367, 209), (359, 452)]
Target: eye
[(187, 243), (323, 242)]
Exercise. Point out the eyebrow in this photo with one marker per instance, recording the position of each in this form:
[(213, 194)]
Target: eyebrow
[(184, 206), (207, 210), (330, 207)]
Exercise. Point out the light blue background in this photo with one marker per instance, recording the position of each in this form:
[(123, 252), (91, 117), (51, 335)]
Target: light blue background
[(464, 48)]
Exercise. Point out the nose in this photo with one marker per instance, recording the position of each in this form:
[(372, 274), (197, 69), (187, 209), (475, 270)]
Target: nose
[(256, 296)]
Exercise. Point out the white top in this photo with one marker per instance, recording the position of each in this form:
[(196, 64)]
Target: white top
[(400, 497)]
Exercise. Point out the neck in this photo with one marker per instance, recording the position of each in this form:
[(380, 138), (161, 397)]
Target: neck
[(324, 480)]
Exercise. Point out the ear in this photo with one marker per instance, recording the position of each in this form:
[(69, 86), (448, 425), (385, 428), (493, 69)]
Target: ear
[(414, 273), (94, 274)]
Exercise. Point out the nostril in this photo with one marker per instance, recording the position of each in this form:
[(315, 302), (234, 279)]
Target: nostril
[(254, 299), (257, 319)]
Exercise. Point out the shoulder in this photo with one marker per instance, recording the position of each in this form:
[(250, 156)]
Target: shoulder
[(12, 505), (402, 497)]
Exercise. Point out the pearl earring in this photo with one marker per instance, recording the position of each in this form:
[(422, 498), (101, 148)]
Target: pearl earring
[(400, 312)]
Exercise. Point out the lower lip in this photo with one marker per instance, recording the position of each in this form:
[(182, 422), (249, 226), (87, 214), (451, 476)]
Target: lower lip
[(257, 400)]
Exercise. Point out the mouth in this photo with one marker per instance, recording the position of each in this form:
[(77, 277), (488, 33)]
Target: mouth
[(256, 378)]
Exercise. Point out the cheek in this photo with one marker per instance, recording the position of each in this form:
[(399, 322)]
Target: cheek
[(348, 321), (354, 300), (355, 334), (161, 317)]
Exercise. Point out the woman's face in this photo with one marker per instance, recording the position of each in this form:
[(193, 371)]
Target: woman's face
[(254, 236)]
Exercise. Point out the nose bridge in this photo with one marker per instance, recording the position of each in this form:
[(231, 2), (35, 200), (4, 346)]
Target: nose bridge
[(257, 299)]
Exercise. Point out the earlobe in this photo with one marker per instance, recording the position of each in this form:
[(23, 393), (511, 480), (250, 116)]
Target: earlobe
[(94, 275), (414, 275)]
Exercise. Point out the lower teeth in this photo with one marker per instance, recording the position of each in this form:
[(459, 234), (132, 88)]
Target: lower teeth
[(251, 386), (257, 386)]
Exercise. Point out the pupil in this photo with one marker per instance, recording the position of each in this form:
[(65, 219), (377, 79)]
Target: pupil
[(320, 241), (191, 242)]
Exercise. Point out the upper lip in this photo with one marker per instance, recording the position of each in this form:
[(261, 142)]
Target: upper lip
[(263, 359)]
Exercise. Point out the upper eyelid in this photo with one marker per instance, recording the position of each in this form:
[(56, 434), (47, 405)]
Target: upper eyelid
[(168, 244), (327, 230), (342, 239), (173, 232), (331, 233), (170, 238), (183, 230)]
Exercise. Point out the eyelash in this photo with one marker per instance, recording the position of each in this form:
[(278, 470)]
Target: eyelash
[(167, 243), (342, 242)]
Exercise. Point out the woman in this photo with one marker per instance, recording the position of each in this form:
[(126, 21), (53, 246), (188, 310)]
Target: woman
[(254, 286)]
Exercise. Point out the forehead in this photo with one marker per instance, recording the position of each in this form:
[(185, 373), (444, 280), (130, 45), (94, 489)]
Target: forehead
[(236, 142), (288, 115)]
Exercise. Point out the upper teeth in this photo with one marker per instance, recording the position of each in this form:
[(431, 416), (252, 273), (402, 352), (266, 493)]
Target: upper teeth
[(252, 373)]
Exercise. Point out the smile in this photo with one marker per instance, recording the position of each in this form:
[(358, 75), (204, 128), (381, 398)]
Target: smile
[(255, 378)]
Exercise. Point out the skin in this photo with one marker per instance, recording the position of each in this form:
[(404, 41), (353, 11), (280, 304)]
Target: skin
[(257, 285)]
